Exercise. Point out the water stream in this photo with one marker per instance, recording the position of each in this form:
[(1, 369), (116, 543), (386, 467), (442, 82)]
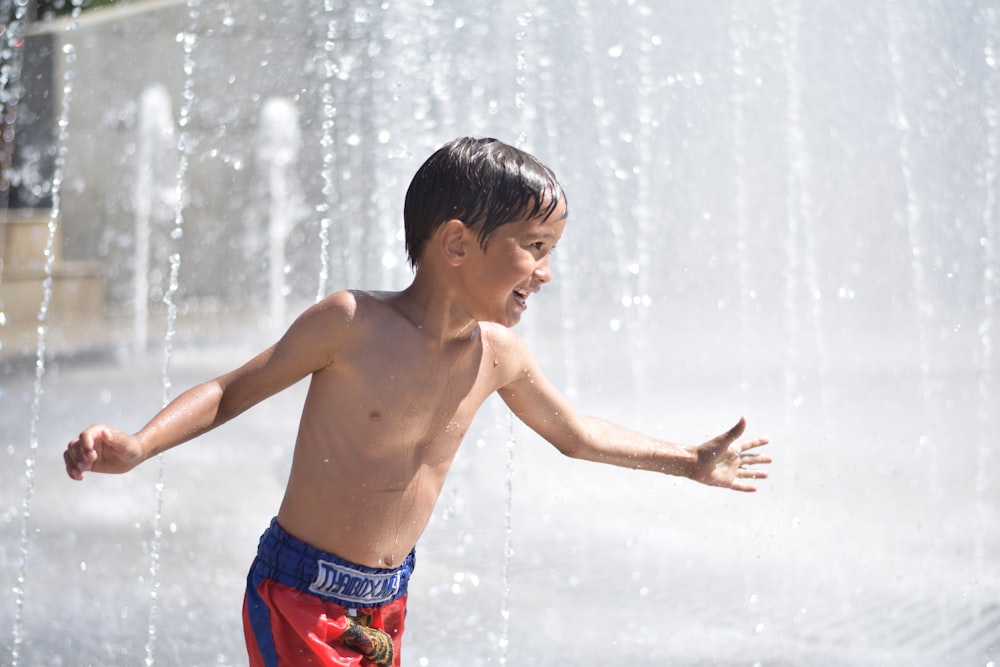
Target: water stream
[(153, 194), (990, 298), (38, 389), (185, 148), (278, 147), (913, 221), (329, 119)]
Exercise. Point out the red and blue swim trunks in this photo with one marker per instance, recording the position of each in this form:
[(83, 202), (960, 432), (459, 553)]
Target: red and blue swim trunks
[(304, 606)]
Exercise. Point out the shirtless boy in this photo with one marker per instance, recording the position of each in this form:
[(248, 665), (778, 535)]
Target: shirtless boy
[(396, 378)]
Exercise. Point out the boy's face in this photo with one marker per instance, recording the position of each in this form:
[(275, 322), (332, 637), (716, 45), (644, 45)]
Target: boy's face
[(514, 265)]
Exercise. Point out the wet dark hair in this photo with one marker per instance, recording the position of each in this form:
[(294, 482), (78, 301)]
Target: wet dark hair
[(485, 183)]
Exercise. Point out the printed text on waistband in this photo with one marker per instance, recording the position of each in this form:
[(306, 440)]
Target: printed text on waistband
[(360, 588)]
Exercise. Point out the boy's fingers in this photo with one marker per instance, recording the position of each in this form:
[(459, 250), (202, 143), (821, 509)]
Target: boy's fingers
[(81, 453), (725, 440), (736, 431), (750, 444), (70, 463), (89, 441), (74, 463), (88, 437)]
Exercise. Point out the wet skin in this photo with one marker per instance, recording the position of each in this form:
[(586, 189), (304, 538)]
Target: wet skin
[(396, 379)]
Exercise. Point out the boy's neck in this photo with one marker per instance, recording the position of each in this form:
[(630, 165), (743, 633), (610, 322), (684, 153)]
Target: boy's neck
[(435, 311)]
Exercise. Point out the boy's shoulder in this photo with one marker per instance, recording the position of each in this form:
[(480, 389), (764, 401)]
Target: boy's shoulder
[(498, 334), (338, 315), (506, 344), (353, 312), (350, 305), (338, 322)]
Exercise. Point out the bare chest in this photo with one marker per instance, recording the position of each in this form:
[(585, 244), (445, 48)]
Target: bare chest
[(402, 401)]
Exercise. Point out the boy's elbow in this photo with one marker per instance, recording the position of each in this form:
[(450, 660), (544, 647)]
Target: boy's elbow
[(588, 440), (215, 403), (573, 438), (570, 449), (576, 447), (230, 407)]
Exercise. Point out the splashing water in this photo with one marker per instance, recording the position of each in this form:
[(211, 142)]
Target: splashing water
[(798, 208), (69, 57), (185, 148), (329, 120), (739, 37), (913, 222), (520, 102), (520, 96), (986, 416), (508, 544), (630, 298)]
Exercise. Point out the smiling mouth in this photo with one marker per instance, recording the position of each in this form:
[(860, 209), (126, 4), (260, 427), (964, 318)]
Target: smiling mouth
[(521, 297)]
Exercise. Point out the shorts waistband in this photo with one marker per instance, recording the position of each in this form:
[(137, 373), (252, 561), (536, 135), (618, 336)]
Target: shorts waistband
[(284, 558)]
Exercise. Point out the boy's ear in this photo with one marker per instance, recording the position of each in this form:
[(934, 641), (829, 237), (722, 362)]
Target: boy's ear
[(453, 241)]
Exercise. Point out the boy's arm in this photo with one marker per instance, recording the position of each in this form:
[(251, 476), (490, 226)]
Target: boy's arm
[(721, 461), (307, 346)]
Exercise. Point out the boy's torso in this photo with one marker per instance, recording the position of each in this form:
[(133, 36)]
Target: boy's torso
[(379, 430)]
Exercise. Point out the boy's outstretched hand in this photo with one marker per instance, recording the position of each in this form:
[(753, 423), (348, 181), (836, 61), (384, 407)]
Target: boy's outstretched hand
[(101, 449), (724, 461)]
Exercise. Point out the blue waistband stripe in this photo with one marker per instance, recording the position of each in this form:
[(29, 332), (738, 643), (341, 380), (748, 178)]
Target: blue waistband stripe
[(284, 558)]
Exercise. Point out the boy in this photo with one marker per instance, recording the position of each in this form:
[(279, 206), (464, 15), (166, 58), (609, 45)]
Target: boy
[(396, 379)]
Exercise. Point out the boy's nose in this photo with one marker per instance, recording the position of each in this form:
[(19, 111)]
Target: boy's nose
[(543, 272)]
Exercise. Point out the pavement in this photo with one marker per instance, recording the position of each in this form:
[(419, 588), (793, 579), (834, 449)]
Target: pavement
[(872, 544)]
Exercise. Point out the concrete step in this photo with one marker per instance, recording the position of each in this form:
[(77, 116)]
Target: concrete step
[(25, 236), (75, 319)]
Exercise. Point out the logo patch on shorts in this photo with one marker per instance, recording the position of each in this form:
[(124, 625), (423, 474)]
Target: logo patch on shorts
[(355, 587)]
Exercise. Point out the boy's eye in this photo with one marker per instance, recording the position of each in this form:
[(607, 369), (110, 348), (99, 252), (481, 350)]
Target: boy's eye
[(542, 247)]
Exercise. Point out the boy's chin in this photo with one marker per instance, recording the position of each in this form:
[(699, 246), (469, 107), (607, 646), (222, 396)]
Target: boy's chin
[(509, 321)]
